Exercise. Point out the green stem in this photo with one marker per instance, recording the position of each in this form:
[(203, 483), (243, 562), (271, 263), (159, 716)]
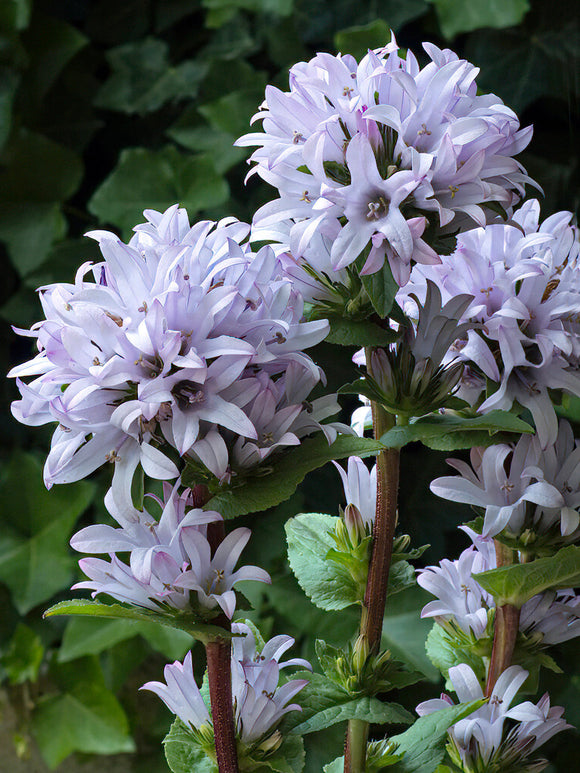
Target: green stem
[(373, 612), (356, 746), (506, 627)]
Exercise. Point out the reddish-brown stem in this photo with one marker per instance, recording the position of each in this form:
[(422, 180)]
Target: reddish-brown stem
[(218, 653), (220, 690), (506, 627), (373, 611)]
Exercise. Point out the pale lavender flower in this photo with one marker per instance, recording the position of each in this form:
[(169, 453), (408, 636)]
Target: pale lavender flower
[(259, 701), (167, 558), (181, 694), (360, 489), (150, 354), (482, 739), (525, 283), (390, 147)]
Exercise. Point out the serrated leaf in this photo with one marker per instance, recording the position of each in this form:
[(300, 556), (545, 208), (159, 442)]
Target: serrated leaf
[(261, 491), (358, 332), (309, 541), (445, 651), (183, 754), (84, 717), (518, 583), (457, 16), (436, 428), (289, 758), (424, 742), (91, 636), (35, 561), (156, 179), (142, 78), (183, 622), (365, 708), (381, 288)]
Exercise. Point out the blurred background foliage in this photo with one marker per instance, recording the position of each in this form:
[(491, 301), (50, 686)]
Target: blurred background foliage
[(107, 108)]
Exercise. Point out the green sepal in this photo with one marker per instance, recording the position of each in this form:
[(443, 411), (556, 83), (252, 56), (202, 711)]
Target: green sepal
[(277, 479), (380, 287), (518, 583), (450, 431), (182, 621)]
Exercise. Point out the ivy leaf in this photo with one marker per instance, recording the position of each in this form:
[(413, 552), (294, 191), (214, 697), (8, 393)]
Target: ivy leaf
[(143, 80), (357, 40), (201, 631), (457, 16), (214, 143), (309, 541), (518, 583), (423, 744), (448, 431), (369, 709), (270, 486), (35, 561), (23, 655), (91, 636), (84, 717), (149, 179)]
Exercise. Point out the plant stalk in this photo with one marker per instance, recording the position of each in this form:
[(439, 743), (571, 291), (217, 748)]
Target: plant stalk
[(506, 627), (218, 653), (373, 611)]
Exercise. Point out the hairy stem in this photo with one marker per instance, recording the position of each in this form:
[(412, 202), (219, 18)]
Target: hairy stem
[(507, 624), (373, 611), (219, 653)]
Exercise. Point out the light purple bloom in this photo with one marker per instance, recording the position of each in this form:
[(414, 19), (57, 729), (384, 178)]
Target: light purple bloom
[(390, 147), (360, 489), (525, 283), (259, 702), (481, 738), (151, 353)]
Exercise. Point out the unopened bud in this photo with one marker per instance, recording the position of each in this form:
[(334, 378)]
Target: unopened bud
[(355, 524), (360, 654), (271, 743)]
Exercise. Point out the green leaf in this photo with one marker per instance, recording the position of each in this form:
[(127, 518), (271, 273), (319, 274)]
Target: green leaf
[(15, 15), (214, 143), (143, 80), (8, 85), (369, 709), (380, 287), (84, 717), (270, 486), (444, 431), (232, 112), (457, 16), (91, 636), (183, 754), (29, 231), (358, 332), (358, 40), (309, 541), (518, 583), (445, 650), (23, 656), (183, 622), (147, 179), (289, 758), (35, 560), (424, 742)]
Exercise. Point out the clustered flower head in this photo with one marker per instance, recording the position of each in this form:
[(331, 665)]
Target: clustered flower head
[(548, 618), (525, 282), (528, 492), (183, 338), (381, 155), (259, 702), (170, 559), (496, 738)]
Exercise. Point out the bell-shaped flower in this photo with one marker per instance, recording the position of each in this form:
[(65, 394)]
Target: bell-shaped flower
[(213, 577), (360, 489)]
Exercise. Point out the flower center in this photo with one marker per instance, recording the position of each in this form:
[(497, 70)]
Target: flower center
[(377, 209)]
